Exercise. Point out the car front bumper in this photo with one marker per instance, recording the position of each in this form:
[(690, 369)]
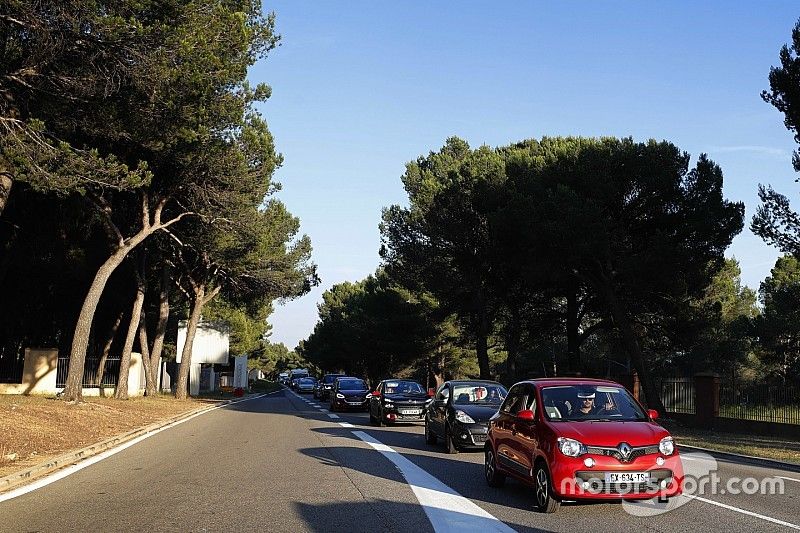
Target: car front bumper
[(573, 479), (470, 435)]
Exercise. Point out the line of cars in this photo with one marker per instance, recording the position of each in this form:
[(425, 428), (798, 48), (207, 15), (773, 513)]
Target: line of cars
[(567, 438)]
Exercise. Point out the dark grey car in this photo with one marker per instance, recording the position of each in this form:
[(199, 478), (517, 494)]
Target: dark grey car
[(459, 413)]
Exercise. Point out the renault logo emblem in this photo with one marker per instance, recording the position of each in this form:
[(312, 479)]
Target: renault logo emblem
[(625, 450)]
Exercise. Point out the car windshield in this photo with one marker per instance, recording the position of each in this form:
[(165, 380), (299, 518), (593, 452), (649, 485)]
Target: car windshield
[(479, 394), (308, 380), (352, 384), (404, 387), (590, 402)]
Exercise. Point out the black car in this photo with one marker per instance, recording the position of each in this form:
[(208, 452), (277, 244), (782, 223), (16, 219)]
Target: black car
[(349, 393), (459, 413), (324, 386), (397, 400)]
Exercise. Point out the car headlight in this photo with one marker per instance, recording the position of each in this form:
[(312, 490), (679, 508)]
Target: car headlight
[(666, 446), (464, 418), (570, 447), (329, 387), (340, 396)]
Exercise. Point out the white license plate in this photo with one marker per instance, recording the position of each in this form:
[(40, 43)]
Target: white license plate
[(411, 411), (627, 477), (355, 403)]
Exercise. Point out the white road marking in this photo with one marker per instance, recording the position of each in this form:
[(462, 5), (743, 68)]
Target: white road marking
[(749, 513), (333, 415), (68, 471), (447, 510), (789, 478), (346, 425), (324, 410)]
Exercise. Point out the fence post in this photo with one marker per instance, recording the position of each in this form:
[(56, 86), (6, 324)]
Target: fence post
[(631, 382), (706, 398)]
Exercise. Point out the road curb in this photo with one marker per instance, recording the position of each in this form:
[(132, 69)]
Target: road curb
[(22, 477), (746, 459)]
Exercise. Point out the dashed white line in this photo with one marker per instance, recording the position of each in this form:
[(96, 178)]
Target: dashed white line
[(447, 510), (346, 425), (749, 513), (331, 415)]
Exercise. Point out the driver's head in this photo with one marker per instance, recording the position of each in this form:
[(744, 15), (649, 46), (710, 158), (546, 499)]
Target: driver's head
[(585, 397)]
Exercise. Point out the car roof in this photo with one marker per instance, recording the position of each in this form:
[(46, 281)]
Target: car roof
[(474, 381), (400, 379), (544, 382)]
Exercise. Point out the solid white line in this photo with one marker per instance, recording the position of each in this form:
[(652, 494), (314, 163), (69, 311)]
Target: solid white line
[(333, 415), (447, 510), (749, 513), (68, 471), (789, 478)]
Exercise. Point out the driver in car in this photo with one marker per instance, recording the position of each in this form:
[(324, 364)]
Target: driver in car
[(586, 407)]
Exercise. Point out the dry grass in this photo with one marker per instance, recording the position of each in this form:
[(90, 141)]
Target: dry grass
[(777, 448), (35, 428)]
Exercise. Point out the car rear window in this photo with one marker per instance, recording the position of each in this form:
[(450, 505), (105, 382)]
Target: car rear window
[(352, 384)]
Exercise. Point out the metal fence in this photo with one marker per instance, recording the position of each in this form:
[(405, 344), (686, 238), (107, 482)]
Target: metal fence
[(765, 403), (90, 371), (677, 395)]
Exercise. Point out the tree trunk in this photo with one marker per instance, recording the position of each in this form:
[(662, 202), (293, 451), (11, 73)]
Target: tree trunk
[(513, 333), (101, 368), (181, 390), (73, 390), (150, 384), (573, 335), (125, 362), (482, 346), (161, 328), (6, 182), (631, 342), (438, 367)]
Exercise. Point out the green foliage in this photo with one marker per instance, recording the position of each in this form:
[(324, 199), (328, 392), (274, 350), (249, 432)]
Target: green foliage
[(371, 328), (778, 327), (247, 326)]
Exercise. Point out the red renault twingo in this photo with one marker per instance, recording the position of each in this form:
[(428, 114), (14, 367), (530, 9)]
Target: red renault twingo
[(580, 439)]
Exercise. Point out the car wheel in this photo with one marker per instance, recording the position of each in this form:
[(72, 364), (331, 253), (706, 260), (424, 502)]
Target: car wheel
[(449, 442), (545, 501), (430, 438), (494, 478), (380, 417)]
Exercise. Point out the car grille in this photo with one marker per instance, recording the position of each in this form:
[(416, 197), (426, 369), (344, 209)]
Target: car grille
[(611, 451)]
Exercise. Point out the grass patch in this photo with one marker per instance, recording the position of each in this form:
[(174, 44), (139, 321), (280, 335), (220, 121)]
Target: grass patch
[(776, 448), (36, 428), (263, 385)]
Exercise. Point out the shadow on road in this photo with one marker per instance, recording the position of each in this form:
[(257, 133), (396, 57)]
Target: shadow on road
[(401, 517)]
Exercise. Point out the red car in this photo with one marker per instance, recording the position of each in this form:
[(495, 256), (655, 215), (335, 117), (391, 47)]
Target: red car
[(580, 439)]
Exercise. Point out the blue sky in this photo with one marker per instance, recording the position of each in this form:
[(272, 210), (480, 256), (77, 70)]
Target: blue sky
[(360, 88)]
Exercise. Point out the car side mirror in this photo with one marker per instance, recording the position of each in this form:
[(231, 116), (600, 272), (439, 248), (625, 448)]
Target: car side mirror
[(652, 413), (525, 414), (430, 393)]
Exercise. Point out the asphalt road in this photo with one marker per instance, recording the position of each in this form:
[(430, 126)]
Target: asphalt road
[(278, 463)]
